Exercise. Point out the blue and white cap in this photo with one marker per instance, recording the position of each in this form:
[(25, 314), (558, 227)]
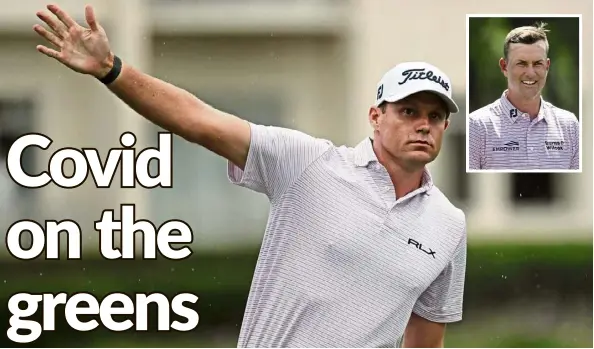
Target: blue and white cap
[(409, 78)]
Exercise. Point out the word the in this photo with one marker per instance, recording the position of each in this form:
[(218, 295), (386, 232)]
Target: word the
[(87, 304), (133, 168), (153, 238)]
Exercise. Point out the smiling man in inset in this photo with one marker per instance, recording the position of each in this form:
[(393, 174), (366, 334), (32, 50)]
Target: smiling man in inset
[(520, 130)]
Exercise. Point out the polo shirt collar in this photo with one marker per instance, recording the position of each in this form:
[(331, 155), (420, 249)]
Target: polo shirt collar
[(513, 114), (365, 156)]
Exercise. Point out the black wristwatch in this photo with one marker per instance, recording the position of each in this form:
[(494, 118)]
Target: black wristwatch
[(114, 72)]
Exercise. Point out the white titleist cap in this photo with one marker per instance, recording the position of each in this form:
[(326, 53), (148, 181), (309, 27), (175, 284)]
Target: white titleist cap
[(409, 78)]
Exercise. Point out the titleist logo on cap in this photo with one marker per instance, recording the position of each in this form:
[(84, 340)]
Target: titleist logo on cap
[(422, 74)]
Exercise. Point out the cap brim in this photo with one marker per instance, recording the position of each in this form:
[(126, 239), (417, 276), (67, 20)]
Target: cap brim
[(452, 106)]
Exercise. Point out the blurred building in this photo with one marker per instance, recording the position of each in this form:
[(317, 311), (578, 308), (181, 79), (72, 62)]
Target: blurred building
[(304, 64)]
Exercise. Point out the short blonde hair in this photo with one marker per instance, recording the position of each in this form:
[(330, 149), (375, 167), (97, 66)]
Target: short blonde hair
[(526, 35)]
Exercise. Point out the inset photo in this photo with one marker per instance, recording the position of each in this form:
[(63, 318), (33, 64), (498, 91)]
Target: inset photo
[(524, 93)]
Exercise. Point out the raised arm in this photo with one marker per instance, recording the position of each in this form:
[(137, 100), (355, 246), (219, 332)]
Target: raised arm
[(87, 51)]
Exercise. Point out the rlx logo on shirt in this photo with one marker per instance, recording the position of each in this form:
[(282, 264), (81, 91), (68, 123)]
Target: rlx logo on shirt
[(420, 246)]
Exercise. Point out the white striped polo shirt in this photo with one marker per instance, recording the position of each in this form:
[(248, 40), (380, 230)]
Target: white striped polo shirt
[(503, 138), (342, 262)]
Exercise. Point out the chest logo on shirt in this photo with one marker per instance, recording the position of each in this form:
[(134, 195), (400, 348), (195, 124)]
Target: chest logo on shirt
[(557, 145), (420, 246), (509, 146)]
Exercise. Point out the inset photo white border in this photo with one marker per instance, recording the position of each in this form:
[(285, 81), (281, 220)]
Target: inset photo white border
[(537, 18)]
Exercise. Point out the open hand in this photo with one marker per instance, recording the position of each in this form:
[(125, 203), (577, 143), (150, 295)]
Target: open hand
[(84, 50)]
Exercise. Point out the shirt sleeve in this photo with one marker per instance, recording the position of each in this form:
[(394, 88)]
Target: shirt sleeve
[(575, 146), (442, 301), (476, 144), (276, 158)]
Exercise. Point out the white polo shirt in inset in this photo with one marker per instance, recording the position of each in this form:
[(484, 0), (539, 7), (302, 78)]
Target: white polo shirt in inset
[(503, 138), (343, 263)]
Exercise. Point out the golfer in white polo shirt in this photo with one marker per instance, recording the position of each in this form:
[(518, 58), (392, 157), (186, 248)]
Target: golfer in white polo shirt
[(520, 130), (361, 248)]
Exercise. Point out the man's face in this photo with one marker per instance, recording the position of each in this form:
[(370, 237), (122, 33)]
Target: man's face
[(411, 130), (526, 69)]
